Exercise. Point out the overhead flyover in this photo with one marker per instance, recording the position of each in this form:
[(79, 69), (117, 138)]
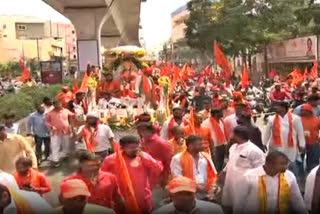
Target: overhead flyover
[(98, 23)]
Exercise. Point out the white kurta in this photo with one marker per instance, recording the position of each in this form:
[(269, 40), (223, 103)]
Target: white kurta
[(298, 136), (248, 193), (309, 188), (207, 123), (200, 170), (231, 122), (242, 157)]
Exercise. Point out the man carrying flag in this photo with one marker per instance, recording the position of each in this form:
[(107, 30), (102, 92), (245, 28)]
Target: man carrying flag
[(133, 169)]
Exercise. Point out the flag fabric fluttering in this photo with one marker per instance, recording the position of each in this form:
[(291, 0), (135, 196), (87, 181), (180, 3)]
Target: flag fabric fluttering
[(222, 61), (297, 77), (25, 75), (314, 70), (244, 78)]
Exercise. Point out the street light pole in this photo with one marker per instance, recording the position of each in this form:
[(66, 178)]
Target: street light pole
[(38, 49)]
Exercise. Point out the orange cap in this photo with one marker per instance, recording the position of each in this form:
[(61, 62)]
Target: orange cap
[(182, 184), (307, 107), (73, 188)]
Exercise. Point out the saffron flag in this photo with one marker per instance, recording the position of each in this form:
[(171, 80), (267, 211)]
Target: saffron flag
[(222, 61), (84, 86), (314, 70), (129, 194), (297, 77), (25, 75), (244, 78), (191, 121)]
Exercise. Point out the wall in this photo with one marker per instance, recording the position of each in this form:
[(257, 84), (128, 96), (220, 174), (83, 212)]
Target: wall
[(177, 25)]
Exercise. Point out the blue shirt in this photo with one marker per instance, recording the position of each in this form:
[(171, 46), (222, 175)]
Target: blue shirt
[(37, 126)]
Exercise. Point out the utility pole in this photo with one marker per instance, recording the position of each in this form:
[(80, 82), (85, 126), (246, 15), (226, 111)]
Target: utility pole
[(38, 50)]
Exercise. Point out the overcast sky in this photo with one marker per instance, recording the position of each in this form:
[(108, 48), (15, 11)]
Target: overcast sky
[(155, 15)]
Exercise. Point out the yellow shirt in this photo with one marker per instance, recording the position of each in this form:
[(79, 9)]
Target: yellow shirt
[(13, 147), (177, 148)]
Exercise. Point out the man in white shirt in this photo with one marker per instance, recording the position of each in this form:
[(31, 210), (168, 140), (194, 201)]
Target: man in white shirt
[(14, 201), (243, 156), (103, 137), (284, 133), (264, 188), (312, 191), (10, 125), (231, 120), (107, 101), (202, 170), (176, 120)]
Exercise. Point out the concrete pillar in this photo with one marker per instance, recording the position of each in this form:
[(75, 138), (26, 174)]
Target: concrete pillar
[(88, 23)]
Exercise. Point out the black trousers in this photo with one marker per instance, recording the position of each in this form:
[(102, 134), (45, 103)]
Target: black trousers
[(218, 157), (39, 141)]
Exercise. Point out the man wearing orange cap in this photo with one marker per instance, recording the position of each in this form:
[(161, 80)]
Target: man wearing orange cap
[(182, 192), (74, 199), (64, 96), (311, 126), (196, 165)]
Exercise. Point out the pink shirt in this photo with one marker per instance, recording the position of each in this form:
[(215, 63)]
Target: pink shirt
[(140, 170), (58, 121)]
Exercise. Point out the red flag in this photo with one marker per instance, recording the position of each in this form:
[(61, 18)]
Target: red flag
[(244, 78), (297, 77), (314, 70), (25, 75), (207, 71), (222, 61)]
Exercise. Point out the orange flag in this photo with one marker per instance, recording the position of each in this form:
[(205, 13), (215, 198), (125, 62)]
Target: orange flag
[(129, 195), (25, 75), (75, 84), (222, 61), (84, 86), (191, 121), (244, 78), (314, 70), (297, 77)]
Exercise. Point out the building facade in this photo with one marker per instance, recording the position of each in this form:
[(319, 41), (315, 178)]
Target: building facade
[(178, 25), (30, 37)]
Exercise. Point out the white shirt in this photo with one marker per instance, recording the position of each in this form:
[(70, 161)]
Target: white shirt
[(104, 133), (248, 193), (309, 188), (298, 136), (242, 157), (165, 127), (231, 122), (200, 171), (207, 123), (37, 203), (112, 103), (13, 130), (8, 180)]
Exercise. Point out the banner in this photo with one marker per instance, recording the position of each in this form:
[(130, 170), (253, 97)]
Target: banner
[(302, 49)]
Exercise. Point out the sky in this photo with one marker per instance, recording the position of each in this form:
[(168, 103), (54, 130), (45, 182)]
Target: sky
[(155, 19), (155, 15)]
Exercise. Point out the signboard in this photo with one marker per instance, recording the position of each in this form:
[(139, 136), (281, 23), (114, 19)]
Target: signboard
[(51, 72), (88, 52), (302, 49)]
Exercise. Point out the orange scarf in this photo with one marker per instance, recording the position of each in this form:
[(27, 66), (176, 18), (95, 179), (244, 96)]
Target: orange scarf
[(124, 178), (220, 136), (276, 130), (172, 124), (186, 162), (88, 137)]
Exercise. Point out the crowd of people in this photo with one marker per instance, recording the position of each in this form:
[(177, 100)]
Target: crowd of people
[(209, 156)]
